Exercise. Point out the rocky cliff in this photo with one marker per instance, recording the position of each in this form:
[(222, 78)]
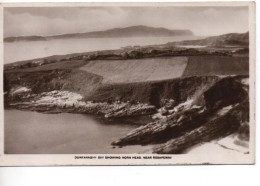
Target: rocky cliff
[(218, 109)]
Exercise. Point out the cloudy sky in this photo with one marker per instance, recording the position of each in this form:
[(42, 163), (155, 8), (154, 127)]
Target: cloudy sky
[(203, 21)]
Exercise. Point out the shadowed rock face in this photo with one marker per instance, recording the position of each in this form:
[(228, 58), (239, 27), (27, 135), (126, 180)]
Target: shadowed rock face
[(216, 111), (152, 92), (225, 92)]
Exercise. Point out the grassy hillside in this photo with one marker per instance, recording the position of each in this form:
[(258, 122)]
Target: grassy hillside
[(225, 40), (216, 65), (63, 75)]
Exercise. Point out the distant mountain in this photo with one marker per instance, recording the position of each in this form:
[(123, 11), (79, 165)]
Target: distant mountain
[(232, 39), (133, 31)]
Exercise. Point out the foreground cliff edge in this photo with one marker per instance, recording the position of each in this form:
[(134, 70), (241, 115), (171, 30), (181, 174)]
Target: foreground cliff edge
[(205, 99)]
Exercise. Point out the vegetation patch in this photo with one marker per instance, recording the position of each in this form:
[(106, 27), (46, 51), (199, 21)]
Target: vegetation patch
[(216, 65)]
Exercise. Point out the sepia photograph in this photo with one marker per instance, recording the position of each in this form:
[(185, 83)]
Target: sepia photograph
[(136, 83)]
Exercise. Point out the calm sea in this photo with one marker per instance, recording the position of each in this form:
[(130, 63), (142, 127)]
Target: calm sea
[(24, 50), (29, 132)]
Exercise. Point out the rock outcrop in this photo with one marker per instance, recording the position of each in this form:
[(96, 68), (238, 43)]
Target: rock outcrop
[(219, 126), (65, 101)]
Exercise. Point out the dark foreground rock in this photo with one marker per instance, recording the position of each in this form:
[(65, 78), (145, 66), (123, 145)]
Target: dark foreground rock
[(219, 127)]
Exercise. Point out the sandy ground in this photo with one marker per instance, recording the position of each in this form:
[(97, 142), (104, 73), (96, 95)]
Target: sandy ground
[(228, 145)]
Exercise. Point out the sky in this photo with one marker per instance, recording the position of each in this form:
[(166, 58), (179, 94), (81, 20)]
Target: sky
[(44, 21)]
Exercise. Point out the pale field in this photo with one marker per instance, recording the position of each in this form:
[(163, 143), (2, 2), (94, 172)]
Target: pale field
[(137, 70)]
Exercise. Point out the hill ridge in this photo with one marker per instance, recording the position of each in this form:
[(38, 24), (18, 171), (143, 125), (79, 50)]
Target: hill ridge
[(131, 31)]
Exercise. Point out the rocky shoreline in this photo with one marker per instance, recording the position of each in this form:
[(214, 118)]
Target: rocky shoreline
[(65, 101), (217, 109)]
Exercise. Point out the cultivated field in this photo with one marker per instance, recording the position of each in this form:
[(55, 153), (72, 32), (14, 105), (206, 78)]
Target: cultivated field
[(137, 70)]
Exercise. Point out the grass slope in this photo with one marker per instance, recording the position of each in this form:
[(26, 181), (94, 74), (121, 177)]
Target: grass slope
[(216, 65)]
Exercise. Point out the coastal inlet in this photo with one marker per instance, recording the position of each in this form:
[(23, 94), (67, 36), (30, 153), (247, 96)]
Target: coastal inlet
[(163, 99)]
